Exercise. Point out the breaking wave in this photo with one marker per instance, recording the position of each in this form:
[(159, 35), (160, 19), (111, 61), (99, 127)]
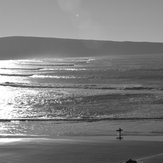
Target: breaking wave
[(33, 69), (84, 119), (49, 65), (78, 86), (54, 76), (21, 75)]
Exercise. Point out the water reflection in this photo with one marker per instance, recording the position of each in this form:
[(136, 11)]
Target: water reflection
[(61, 128)]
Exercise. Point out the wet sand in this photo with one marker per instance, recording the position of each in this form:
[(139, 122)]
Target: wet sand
[(81, 149)]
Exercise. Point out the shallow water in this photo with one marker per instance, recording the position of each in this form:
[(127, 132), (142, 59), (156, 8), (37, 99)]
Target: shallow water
[(71, 128), (82, 89)]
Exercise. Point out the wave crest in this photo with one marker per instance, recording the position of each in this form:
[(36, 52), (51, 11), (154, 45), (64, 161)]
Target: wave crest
[(21, 75), (79, 86)]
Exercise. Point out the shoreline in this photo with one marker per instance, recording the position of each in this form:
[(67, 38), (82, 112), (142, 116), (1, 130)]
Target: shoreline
[(81, 142), (74, 149), (149, 138), (101, 128)]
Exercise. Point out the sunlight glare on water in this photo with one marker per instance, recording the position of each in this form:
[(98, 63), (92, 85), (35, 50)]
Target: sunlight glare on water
[(13, 102), (7, 64), (81, 88)]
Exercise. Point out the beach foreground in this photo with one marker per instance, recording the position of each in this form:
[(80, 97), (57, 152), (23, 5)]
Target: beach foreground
[(85, 149)]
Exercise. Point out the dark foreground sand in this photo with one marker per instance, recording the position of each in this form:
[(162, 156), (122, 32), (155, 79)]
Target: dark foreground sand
[(91, 149)]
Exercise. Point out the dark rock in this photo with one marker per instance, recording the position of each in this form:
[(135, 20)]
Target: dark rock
[(131, 161)]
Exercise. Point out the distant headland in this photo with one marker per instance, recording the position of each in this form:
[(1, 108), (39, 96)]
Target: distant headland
[(31, 47)]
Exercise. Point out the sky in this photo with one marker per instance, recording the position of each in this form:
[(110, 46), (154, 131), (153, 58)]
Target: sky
[(117, 20)]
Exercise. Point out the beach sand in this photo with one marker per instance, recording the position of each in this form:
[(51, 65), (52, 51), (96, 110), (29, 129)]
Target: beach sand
[(81, 142), (81, 149)]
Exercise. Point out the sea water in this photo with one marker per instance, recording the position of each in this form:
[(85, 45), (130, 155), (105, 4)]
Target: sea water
[(85, 89)]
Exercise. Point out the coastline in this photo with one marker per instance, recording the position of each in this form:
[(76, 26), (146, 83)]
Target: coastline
[(72, 128), (81, 142), (67, 149)]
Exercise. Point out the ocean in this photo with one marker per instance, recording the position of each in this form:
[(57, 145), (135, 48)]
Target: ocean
[(85, 90)]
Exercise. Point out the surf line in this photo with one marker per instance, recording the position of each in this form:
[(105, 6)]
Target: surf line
[(77, 119)]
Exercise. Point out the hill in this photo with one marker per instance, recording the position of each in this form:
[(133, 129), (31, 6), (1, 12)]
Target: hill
[(29, 47)]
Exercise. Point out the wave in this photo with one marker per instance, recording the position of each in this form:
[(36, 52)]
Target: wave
[(54, 76), (70, 60), (65, 76), (87, 119), (49, 65), (21, 75), (78, 86), (33, 69), (64, 69)]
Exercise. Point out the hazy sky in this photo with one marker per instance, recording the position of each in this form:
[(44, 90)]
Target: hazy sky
[(121, 20)]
